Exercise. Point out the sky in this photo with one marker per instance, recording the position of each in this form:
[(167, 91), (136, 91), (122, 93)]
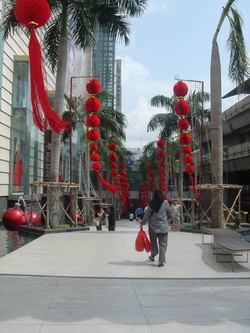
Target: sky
[(172, 40)]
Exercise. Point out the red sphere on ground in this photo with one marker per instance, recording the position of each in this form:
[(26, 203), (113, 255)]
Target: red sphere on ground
[(13, 218), (33, 218)]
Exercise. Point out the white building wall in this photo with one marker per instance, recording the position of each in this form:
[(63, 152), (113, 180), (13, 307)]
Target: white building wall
[(15, 46)]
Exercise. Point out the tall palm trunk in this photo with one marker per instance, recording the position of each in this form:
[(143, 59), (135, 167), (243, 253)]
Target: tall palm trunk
[(216, 137), (56, 139), (216, 125)]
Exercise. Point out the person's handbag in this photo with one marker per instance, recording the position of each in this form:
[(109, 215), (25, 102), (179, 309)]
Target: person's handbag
[(142, 242)]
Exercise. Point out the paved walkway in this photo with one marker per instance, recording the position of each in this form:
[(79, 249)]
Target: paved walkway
[(96, 282)]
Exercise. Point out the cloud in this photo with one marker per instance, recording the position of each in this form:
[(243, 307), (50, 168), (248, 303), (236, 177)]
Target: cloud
[(137, 91)]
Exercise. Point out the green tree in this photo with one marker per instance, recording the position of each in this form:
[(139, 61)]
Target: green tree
[(238, 71), (166, 123), (76, 21)]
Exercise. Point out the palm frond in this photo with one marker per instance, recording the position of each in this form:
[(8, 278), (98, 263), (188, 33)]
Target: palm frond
[(239, 62)]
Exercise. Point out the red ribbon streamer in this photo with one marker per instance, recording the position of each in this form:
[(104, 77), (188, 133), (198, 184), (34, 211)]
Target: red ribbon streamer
[(42, 111)]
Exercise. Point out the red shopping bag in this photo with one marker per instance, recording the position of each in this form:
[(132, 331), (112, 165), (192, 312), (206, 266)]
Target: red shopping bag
[(147, 244), (142, 243)]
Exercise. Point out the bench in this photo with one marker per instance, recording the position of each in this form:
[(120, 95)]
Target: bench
[(229, 241)]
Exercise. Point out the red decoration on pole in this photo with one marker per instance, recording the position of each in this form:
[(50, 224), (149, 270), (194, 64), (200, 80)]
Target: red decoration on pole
[(33, 14), (180, 89), (93, 86), (182, 108)]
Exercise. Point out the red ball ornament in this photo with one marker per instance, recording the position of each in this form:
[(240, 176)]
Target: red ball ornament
[(182, 108), (180, 89), (93, 86), (162, 163), (183, 124), (113, 165), (162, 171), (160, 143), (188, 159), (187, 150), (33, 218), (93, 147), (114, 173), (112, 146), (189, 169), (32, 13), (161, 154), (97, 166), (92, 105), (185, 138), (93, 121), (113, 157), (151, 173), (93, 135), (149, 166), (94, 157), (13, 218)]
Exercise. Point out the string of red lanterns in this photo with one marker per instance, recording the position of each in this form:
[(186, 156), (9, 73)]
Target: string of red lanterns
[(92, 106), (161, 155), (182, 109)]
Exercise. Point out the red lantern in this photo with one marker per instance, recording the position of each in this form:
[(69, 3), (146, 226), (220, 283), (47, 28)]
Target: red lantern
[(93, 121), (187, 150), (114, 173), (97, 166), (180, 89), (160, 143), (92, 105), (183, 124), (188, 159), (93, 86), (113, 157), (149, 166), (112, 146), (94, 157), (34, 14), (189, 169), (93, 147), (93, 135), (182, 108), (185, 138), (162, 163), (161, 154)]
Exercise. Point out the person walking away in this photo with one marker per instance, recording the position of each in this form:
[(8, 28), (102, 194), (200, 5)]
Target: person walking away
[(138, 214), (99, 216), (175, 215), (111, 218), (157, 216), (131, 217)]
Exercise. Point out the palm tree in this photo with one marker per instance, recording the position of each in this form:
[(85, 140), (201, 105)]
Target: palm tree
[(167, 122), (238, 70), (76, 21)]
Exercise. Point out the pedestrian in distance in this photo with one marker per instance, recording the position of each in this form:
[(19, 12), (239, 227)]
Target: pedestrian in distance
[(157, 216), (139, 214), (99, 217), (131, 217), (111, 218), (175, 215)]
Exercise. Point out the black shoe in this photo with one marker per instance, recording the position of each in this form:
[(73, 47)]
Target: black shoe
[(151, 258), (160, 264)]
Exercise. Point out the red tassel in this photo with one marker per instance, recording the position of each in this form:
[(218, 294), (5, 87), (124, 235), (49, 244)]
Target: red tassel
[(199, 197), (42, 110), (109, 187)]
